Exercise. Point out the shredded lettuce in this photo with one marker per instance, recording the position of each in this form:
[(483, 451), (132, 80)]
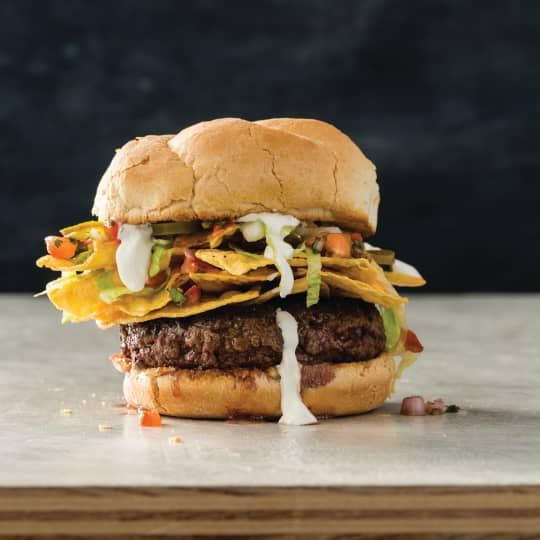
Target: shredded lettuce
[(155, 261), (313, 277), (81, 257), (407, 360), (392, 328), (177, 296)]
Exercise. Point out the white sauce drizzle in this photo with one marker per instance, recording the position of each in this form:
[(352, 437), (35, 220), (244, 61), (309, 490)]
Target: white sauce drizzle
[(133, 255), (294, 412), (406, 269), (277, 227)]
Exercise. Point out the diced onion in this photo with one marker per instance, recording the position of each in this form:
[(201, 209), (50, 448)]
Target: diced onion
[(413, 406)]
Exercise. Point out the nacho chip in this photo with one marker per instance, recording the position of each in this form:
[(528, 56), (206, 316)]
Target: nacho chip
[(234, 263), (373, 293), (299, 286), (173, 311), (203, 238), (103, 256), (138, 306), (222, 281), (217, 236), (85, 230), (184, 241), (358, 269), (78, 295), (405, 275)]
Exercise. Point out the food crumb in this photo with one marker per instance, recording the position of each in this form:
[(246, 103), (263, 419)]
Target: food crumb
[(176, 439), (104, 427), (66, 412)]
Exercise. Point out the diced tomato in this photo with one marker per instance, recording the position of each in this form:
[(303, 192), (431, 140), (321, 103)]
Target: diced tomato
[(192, 264), (412, 343), (220, 226), (157, 280), (356, 236), (61, 247), (149, 418), (112, 231), (338, 244), (193, 295), (120, 362)]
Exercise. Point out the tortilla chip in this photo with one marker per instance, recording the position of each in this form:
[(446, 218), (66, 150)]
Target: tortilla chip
[(78, 295), (234, 263), (85, 230), (374, 293), (221, 281), (299, 286), (103, 256), (217, 237), (138, 306), (177, 279), (404, 275), (357, 269), (403, 280), (183, 241), (173, 311), (203, 238)]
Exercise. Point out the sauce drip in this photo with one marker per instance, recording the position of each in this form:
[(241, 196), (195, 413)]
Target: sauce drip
[(133, 255), (276, 228), (294, 411)]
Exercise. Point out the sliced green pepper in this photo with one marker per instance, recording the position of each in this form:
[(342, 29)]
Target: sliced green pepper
[(169, 228), (177, 296), (382, 256), (313, 277), (157, 253)]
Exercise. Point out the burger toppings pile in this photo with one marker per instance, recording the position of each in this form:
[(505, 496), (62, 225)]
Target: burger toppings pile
[(123, 274)]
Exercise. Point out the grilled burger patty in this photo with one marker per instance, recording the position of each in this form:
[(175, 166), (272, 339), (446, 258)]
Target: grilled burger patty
[(334, 330)]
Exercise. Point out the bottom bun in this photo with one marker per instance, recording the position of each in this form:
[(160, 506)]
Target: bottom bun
[(327, 390)]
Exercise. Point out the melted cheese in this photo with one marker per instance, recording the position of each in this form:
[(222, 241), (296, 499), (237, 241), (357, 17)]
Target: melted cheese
[(277, 227), (133, 255), (294, 411)]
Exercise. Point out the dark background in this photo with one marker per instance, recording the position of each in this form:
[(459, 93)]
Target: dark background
[(442, 95)]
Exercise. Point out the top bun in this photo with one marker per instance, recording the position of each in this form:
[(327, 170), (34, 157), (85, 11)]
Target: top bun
[(229, 167)]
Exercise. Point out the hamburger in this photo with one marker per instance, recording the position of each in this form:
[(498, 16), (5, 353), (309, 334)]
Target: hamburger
[(233, 258)]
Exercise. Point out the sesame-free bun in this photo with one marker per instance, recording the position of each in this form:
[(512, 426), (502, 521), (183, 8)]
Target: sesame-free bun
[(226, 168), (327, 390)]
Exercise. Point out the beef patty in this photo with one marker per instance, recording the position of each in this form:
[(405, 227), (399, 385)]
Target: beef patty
[(334, 330)]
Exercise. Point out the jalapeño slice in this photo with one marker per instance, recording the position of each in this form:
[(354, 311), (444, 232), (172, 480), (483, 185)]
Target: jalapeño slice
[(169, 228)]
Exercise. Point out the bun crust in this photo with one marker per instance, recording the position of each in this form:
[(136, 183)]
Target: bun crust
[(229, 167), (327, 390)]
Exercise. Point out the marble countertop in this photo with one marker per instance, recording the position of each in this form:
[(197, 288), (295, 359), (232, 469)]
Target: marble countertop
[(482, 353)]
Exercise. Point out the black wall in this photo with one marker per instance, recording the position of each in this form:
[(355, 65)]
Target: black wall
[(444, 96)]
